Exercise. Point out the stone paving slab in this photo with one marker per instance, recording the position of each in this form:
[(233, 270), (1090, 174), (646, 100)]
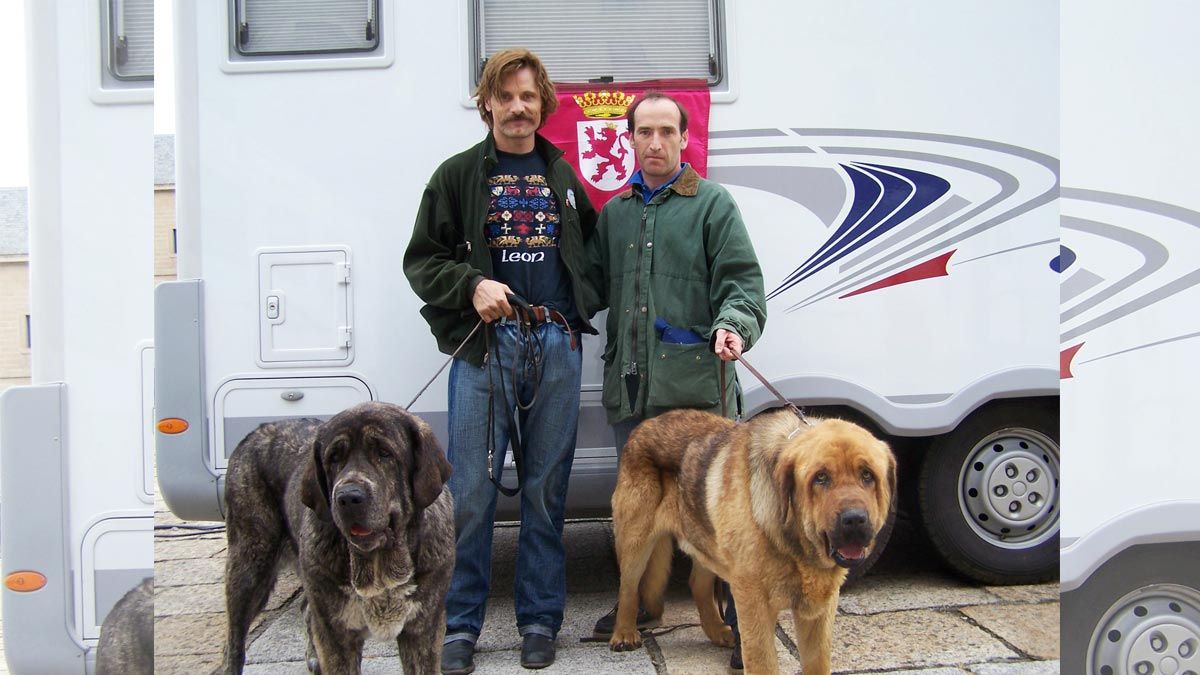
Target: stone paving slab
[(206, 546), (1023, 668), (1032, 593), (909, 639), (912, 617), (873, 595), (921, 671), (188, 665), (188, 634), (197, 599), (1033, 629), (189, 571)]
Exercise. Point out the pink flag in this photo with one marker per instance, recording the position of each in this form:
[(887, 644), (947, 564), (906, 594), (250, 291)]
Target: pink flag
[(590, 128)]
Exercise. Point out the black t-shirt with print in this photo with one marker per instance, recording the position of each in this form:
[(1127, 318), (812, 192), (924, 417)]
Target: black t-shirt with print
[(522, 233)]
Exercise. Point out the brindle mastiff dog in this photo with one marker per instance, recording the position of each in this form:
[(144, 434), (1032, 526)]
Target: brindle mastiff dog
[(127, 637), (360, 503), (778, 509)]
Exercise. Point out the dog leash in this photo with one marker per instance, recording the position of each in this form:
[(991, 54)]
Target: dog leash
[(439, 370), (770, 387), (529, 344)]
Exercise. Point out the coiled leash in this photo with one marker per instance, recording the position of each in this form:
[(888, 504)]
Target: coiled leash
[(527, 365)]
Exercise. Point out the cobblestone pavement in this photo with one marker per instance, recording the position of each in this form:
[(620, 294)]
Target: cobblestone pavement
[(908, 616)]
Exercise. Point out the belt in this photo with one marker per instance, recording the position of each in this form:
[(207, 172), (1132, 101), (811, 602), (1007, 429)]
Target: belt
[(537, 315)]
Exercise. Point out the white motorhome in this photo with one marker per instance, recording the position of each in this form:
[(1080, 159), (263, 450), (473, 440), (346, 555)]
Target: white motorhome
[(1130, 339), (895, 164), (76, 449)]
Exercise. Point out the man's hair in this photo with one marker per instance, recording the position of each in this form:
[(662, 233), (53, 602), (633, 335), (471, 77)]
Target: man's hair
[(504, 63), (650, 96)]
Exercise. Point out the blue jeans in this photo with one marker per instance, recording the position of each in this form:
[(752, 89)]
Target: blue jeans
[(548, 429)]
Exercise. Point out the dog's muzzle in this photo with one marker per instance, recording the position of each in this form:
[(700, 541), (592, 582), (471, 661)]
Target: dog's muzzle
[(850, 541), (352, 503)]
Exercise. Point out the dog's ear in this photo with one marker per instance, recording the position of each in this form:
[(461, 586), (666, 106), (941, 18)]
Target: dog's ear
[(314, 485), (891, 478), (785, 480), (430, 470)]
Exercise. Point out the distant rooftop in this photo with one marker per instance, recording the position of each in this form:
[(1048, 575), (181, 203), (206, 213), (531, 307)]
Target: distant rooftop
[(14, 221)]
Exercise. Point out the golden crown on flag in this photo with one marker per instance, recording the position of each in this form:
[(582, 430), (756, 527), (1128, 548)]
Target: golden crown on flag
[(604, 104)]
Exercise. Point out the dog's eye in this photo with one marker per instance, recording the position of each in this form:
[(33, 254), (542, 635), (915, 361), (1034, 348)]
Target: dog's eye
[(868, 478), (822, 479)]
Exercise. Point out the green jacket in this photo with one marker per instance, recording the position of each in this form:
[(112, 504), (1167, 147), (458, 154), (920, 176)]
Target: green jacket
[(448, 256), (685, 257)]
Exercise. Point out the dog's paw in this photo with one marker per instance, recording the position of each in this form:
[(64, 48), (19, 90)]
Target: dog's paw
[(625, 641), (721, 636)]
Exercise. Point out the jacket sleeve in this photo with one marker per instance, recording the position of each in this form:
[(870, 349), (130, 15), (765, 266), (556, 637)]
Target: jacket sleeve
[(596, 271), (736, 296), (430, 263)]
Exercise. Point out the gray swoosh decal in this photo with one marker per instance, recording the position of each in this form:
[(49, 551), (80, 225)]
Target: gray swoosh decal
[(1145, 346), (952, 205), (772, 150), (747, 133), (805, 185), (1153, 253), (1008, 186), (1078, 283), (1171, 211), (1007, 250)]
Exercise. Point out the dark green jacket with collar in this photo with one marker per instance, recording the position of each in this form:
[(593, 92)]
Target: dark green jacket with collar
[(685, 257), (448, 256)]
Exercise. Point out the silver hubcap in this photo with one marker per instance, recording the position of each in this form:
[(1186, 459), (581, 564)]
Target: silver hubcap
[(1154, 630), (1009, 488)]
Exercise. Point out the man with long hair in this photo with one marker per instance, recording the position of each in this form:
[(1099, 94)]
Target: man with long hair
[(507, 217)]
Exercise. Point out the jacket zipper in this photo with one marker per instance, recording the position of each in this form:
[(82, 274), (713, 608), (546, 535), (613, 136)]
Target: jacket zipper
[(637, 293)]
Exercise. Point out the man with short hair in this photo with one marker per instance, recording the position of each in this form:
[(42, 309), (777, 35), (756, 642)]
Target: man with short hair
[(673, 263), (507, 216)]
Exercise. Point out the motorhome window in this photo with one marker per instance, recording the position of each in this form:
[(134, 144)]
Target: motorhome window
[(607, 40), (28, 333), (282, 27), (128, 27)]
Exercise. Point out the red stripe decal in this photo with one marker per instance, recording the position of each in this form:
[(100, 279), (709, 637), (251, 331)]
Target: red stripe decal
[(1064, 361), (926, 270)]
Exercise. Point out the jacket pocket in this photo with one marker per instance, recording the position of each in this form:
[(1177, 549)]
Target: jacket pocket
[(683, 376)]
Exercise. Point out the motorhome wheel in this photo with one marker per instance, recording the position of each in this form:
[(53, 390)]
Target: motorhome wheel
[(1139, 613), (989, 494)]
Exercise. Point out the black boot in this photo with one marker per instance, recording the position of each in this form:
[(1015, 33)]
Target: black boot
[(537, 651), (458, 657), (604, 626)]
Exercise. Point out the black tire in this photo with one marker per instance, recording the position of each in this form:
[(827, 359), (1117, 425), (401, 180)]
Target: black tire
[(1144, 592), (984, 518)]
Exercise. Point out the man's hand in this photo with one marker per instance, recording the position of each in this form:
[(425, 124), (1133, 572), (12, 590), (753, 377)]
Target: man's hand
[(728, 345), (491, 301)]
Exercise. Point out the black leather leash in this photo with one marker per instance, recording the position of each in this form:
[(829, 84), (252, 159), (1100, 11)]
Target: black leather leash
[(528, 363), (439, 370)]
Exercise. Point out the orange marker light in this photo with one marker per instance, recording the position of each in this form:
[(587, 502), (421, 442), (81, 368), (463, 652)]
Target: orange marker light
[(23, 582), (172, 425)]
